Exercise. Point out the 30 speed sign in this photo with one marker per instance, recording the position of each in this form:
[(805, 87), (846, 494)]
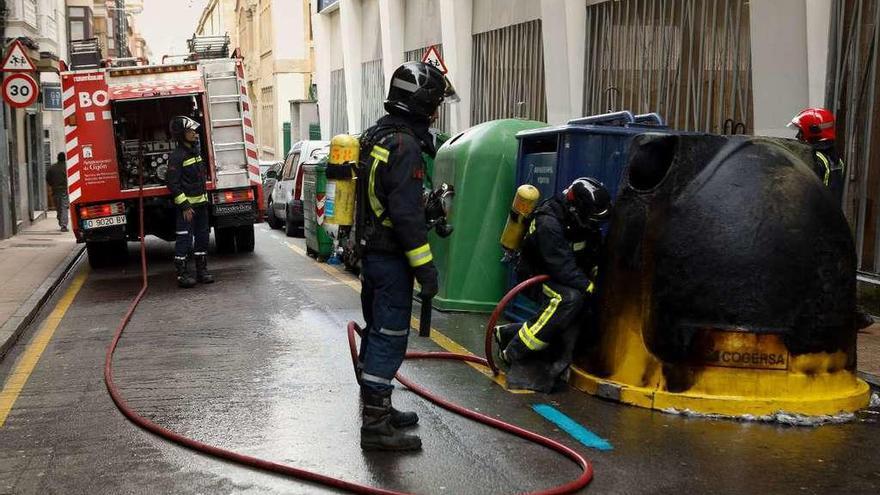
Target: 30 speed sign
[(20, 90)]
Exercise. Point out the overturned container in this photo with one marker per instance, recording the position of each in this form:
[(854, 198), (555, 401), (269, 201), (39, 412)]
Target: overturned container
[(728, 286)]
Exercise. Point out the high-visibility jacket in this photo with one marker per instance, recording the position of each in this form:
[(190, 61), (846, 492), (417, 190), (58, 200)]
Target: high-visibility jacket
[(830, 168), (187, 173), (395, 171)]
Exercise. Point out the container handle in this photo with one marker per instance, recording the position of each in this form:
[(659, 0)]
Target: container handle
[(649, 118), (623, 117)]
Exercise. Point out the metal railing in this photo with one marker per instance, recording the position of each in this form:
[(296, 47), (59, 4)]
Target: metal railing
[(854, 97), (508, 74), (338, 106), (689, 60), (372, 93)]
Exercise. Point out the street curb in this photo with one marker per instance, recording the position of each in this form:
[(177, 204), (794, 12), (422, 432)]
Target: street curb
[(25, 314)]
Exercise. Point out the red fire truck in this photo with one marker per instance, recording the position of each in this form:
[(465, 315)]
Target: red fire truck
[(116, 125)]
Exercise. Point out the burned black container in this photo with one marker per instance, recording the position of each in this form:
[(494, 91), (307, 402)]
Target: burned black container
[(729, 267)]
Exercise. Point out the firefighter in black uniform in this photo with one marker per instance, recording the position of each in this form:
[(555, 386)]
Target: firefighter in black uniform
[(186, 179), (816, 127), (393, 239), (564, 241)]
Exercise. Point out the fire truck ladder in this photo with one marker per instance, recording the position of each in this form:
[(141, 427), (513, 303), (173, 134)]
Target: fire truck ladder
[(227, 124)]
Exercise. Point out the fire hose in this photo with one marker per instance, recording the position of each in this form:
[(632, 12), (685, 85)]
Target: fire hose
[(329, 481)]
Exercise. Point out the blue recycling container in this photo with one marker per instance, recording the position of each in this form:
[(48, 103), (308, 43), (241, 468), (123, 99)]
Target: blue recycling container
[(550, 158)]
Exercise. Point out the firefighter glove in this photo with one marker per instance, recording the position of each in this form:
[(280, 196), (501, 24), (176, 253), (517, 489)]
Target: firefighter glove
[(427, 278)]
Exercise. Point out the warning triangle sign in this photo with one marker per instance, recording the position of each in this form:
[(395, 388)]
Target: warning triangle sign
[(432, 56), (16, 59)]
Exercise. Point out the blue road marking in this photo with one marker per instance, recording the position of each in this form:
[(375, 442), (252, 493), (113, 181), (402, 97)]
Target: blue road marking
[(572, 427)]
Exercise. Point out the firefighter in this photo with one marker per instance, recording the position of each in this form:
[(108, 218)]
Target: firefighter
[(564, 241), (186, 179), (394, 244), (815, 126)]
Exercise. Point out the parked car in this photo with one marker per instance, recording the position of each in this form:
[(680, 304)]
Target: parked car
[(285, 207), (270, 177), (265, 165)]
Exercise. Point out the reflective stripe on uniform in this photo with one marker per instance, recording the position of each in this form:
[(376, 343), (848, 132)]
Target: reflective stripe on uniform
[(579, 246), (182, 232), (179, 199), (379, 154), (827, 163), (192, 161), (394, 333), (528, 334), (201, 198), (375, 379), (591, 288), (420, 256), (532, 227)]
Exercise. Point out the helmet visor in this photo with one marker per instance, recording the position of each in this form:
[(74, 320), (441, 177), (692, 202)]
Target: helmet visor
[(449, 94)]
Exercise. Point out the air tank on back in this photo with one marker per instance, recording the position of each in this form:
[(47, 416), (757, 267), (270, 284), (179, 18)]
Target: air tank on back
[(729, 283)]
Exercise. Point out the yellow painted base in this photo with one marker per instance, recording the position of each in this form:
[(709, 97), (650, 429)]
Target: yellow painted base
[(815, 397)]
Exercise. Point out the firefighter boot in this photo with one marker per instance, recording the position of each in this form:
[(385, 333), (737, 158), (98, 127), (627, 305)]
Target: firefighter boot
[(202, 274), (184, 279), (399, 419), (377, 430)]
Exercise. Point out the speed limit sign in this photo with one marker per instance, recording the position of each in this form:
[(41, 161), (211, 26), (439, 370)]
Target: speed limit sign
[(20, 90)]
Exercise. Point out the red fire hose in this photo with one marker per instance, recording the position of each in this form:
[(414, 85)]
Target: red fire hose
[(570, 487)]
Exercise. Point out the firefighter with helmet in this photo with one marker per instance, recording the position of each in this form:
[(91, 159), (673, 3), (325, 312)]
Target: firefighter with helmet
[(815, 126), (393, 239), (563, 241), (186, 179)]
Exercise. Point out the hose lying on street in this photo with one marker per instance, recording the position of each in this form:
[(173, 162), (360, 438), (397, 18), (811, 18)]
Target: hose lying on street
[(570, 487)]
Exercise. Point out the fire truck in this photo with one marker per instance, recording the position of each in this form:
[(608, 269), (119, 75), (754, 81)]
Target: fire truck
[(116, 126)]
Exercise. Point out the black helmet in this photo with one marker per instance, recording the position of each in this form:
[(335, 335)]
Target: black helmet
[(588, 202), (417, 89), (180, 124)]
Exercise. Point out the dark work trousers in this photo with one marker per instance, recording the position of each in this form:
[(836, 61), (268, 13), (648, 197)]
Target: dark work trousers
[(561, 306), (386, 300), (198, 230)]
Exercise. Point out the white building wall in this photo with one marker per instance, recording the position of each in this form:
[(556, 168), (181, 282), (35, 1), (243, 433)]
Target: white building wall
[(788, 72), (495, 14), (422, 25)]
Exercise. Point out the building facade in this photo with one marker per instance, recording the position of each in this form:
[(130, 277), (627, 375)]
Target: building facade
[(274, 38), (110, 21), (33, 135), (734, 66)]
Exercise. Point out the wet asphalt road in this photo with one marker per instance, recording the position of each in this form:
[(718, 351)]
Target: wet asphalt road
[(258, 363)]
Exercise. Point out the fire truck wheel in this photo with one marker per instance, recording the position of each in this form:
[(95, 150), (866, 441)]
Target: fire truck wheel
[(107, 253), (244, 238), (225, 239)]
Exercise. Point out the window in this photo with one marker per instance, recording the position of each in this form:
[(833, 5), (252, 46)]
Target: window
[(79, 23), (290, 166)]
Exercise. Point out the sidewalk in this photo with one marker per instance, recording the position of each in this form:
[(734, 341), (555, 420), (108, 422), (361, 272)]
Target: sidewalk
[(32, 263), (869, 354)]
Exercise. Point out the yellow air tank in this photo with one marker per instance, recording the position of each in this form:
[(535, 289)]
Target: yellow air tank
[(339, 205), (524, 203)]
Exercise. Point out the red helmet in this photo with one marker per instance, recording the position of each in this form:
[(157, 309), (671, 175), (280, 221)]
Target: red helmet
[(814, 125)]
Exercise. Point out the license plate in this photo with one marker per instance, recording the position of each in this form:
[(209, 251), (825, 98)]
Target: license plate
[(233, 209), (96, 223)]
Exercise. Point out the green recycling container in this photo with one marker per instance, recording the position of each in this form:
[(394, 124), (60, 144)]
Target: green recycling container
[(481, 164), (318, 244)]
